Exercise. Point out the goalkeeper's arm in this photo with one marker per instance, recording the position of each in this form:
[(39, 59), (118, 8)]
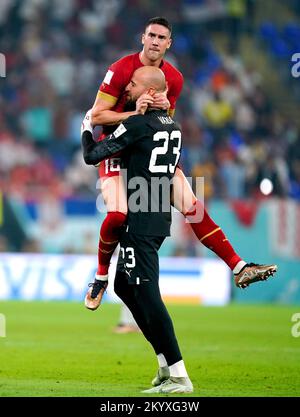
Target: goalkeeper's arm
[(95, 152)]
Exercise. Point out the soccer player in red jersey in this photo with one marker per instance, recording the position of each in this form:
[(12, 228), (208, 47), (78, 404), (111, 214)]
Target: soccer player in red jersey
[(109, 110)]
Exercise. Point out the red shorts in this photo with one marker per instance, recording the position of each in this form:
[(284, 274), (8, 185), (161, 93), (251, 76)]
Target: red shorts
[(109, 167)]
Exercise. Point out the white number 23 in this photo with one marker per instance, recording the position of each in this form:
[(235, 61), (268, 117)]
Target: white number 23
[(162, 150)]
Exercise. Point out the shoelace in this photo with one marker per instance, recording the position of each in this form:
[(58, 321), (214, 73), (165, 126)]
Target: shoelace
[(97, 286)]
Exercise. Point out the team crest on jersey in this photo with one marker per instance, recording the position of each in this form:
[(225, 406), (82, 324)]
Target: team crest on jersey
[(119, 131), (108, 77)]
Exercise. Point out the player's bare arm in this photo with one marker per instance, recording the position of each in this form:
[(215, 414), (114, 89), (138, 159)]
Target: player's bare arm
[(103, 115)]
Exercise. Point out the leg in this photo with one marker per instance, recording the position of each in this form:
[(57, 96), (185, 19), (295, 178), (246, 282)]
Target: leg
[(126, 293), (138, 265), (137, 285), (114, 196), (159, 321), (172, 378), (115, 199), (212, 236), (150, 313), (206, 230)]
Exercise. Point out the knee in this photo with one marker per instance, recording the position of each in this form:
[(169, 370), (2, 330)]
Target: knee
[(116, 218)]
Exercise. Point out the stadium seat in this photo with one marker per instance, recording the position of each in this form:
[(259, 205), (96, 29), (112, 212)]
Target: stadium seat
[(213, 62), (181, 44), (291, 31), (280, 49), (202, 75), (268, 32)]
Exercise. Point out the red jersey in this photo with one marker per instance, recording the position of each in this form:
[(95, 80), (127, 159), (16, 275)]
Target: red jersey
[(119, 75)]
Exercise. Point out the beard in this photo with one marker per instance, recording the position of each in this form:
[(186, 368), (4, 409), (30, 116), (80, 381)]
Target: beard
[(130, 105)]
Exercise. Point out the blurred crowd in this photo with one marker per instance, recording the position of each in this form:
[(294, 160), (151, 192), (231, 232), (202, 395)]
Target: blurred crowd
[(57, 53)]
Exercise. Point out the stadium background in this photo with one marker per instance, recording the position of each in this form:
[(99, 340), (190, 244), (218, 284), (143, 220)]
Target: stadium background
[(239, 112)]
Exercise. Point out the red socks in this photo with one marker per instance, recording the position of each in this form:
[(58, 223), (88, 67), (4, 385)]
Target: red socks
[(211, 235), (207, 232), (109, 238)]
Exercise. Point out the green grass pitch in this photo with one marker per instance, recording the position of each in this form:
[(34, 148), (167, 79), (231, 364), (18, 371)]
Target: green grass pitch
[(62, 349)]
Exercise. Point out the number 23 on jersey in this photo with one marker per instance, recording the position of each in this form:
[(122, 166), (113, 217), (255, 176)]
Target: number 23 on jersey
[(174, 140)]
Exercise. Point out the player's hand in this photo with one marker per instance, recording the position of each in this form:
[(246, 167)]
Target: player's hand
[(87, 122), (143, 102), (161, 101)]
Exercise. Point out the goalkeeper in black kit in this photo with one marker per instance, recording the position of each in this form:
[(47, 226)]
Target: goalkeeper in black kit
[(150, 143)]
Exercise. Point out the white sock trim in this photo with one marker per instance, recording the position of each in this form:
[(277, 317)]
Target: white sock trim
[(101, 277), (161, 360), (178, 370), (239, 266)]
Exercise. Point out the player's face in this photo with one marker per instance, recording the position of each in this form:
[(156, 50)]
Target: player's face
[(156, 41), (135, 89)]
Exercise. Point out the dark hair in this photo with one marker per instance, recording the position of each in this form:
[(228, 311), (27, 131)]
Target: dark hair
[(159, 21)]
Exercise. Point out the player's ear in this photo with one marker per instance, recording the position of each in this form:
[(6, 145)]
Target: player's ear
[(151, 91), (169, 43), (143, 38)]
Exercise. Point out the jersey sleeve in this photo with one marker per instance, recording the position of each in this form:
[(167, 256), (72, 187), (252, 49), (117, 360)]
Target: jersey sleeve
[(174, 92), (125, 135), (113, 84)]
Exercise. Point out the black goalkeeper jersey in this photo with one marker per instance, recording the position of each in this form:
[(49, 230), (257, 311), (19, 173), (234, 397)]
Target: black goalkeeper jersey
[(151, 146)]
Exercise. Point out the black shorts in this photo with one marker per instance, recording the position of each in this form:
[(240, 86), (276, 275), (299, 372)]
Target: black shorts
[(138, 257)]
